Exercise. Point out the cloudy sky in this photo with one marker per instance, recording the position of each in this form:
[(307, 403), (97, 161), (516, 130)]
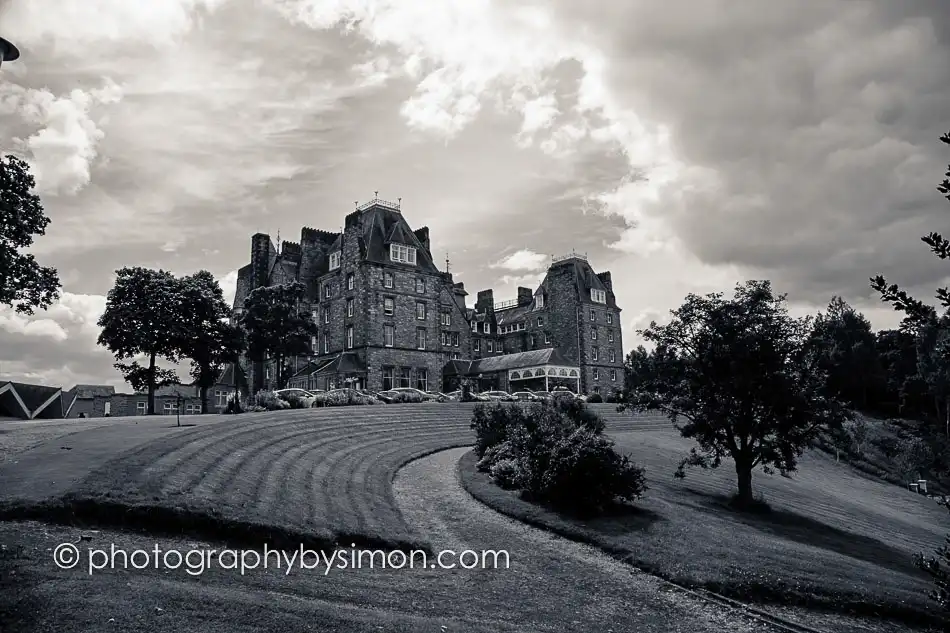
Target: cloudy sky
[(684, 145)]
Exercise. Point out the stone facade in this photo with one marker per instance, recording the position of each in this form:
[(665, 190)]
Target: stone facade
[(397, 323)]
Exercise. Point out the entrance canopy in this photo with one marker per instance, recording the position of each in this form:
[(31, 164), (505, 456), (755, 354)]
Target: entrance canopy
[(520, 370)]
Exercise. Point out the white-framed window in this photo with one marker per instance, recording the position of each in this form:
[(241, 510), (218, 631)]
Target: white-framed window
[(192, 409), (141, 407), (334, 260), (596, 373), (422, 379), (107, 407), (326, 290), (610, 336), (474, 326), (403, 378), (389, 306), (593, 334), (420, 338), (478, 344), (613, 375), (593, 315), (313, 343), (539, 300), (532, 341), (349, 337), (488, 346), (326, 315), (521, 326), (598, 296), (315, 315), (350, 281), (326, 344), (420, 285), (389, 334), (547, 337), (388, 378), (612, 356), (388, 280), (420, 311), (594, 354), (402, 253), (445, 339), (446, 318), (456, 356), (456, 338), (610, 318), (349, 307), (540, 321), (169, 408), (487, 328)]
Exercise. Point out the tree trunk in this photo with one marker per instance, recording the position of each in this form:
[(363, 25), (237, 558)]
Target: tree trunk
[(279, 371), (744, 475), (151, 384), (203, 390)]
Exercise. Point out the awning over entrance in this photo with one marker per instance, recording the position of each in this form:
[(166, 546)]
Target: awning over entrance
[(544, 364)]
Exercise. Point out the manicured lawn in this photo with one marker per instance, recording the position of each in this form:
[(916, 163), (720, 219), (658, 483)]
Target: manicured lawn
[(833, 537)]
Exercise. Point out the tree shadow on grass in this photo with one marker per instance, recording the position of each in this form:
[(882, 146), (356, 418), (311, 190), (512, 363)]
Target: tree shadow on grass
[(808, 531), (621, 519), (180, 426)]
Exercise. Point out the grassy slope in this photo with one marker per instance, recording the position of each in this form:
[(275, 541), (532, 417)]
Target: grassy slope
[(834, 536)]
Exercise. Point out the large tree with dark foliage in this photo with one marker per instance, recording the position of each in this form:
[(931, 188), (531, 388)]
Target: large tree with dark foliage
[(208, 339), (848, 354), (24, 284), (931, 327), (144, 317), (741, 377), (275, 325)]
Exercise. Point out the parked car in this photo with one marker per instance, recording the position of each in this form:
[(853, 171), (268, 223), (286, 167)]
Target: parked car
[(307, 397), (454, 396), (438, 396), (563, 392), (499, 396), (527, 396), (388, 396), (425, 395)]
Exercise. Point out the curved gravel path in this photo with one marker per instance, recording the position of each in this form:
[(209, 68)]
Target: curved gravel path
[(547, 571)]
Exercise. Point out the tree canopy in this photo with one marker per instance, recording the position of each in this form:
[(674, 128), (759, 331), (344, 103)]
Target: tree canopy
[(24, 284), (741, 378), (274, 325)]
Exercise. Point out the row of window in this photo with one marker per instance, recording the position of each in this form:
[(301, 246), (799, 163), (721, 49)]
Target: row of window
[(397, 252), (389, 281), (595, 355), (595, 374), (400, 377)]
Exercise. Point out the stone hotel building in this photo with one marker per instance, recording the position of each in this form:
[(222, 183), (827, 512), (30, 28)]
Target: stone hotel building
[(389, 317)]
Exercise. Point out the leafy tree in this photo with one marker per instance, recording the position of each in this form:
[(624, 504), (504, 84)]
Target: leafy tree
[(848, 353), (744, 376), (143, 316), (897, 353), (275, 326), (24, 284), (924, 320), (207, 338)]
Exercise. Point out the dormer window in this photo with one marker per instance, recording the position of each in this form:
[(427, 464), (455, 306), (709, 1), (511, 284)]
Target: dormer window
[(539, 300), (598, 296), (402, 254), (334, 260)]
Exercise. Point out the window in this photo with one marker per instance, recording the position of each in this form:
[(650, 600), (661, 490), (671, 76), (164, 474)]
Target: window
[(532, 341), (389, 306), (349, 307), (539, 300), (313, 343), (220, 398), (455, 339), (402, 253), (169, 408), (350, 281), (540, 321), (326, 315), (422, 379), (349, 337), (598, 296), (403, 378), (610, 318), (456, 356), (474, 326), (141, 408), (610, 336), (547, 337), (478, 345), (593, 334), (387, 280), (613, 375), (521, 327), (593, 315), (612, 357), (420, 285), (420, 338), (420, 311), (388, 335), (446, 318), (316, 316), (594, 354), (334, 260), (326, 291), (107, 408), (596, 374), (488, 346), (487, 328), (326, 344), (192, 409), (445, 339), (387, 378)]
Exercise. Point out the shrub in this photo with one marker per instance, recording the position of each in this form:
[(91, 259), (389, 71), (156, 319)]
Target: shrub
[(234, 405), (586, 475), (595, 398), (555, 454), (939, 569), (410, 396), (269, 401), (294, 401)]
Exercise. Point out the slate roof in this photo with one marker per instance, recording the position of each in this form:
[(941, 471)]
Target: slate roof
[(93, 391), (584, 277), (186, 391), (345, 363), (531, 358), (381, 226), (512, 315)]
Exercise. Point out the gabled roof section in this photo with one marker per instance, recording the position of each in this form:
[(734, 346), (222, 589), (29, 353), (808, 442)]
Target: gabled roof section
[(381, 226), (93, 391), (584, 277)]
